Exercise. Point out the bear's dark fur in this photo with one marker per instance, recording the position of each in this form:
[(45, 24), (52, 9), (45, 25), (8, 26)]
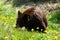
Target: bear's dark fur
[(32, 18)]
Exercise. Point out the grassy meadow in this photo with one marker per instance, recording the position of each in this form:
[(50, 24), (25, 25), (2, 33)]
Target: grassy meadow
[(8, 17)]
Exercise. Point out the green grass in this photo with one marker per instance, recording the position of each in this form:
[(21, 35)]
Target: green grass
[(55, 17), (8, 17)]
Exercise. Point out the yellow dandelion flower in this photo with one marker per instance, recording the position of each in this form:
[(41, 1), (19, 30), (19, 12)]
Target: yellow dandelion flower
[(45, 30), (6, 37), (55, 37), (3, 17), (11, 19), (14, 25), (32, 29), (56, 31)]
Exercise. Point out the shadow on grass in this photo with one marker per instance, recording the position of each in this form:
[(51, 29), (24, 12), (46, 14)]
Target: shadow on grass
[(26, 30), (18, 3), (55, 17)]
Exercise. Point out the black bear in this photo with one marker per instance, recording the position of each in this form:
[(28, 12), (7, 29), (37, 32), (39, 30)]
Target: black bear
[(32, 17)]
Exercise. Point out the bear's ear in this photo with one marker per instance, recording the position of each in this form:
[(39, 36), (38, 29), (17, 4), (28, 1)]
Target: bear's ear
[(19, 12), (20, 15)]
